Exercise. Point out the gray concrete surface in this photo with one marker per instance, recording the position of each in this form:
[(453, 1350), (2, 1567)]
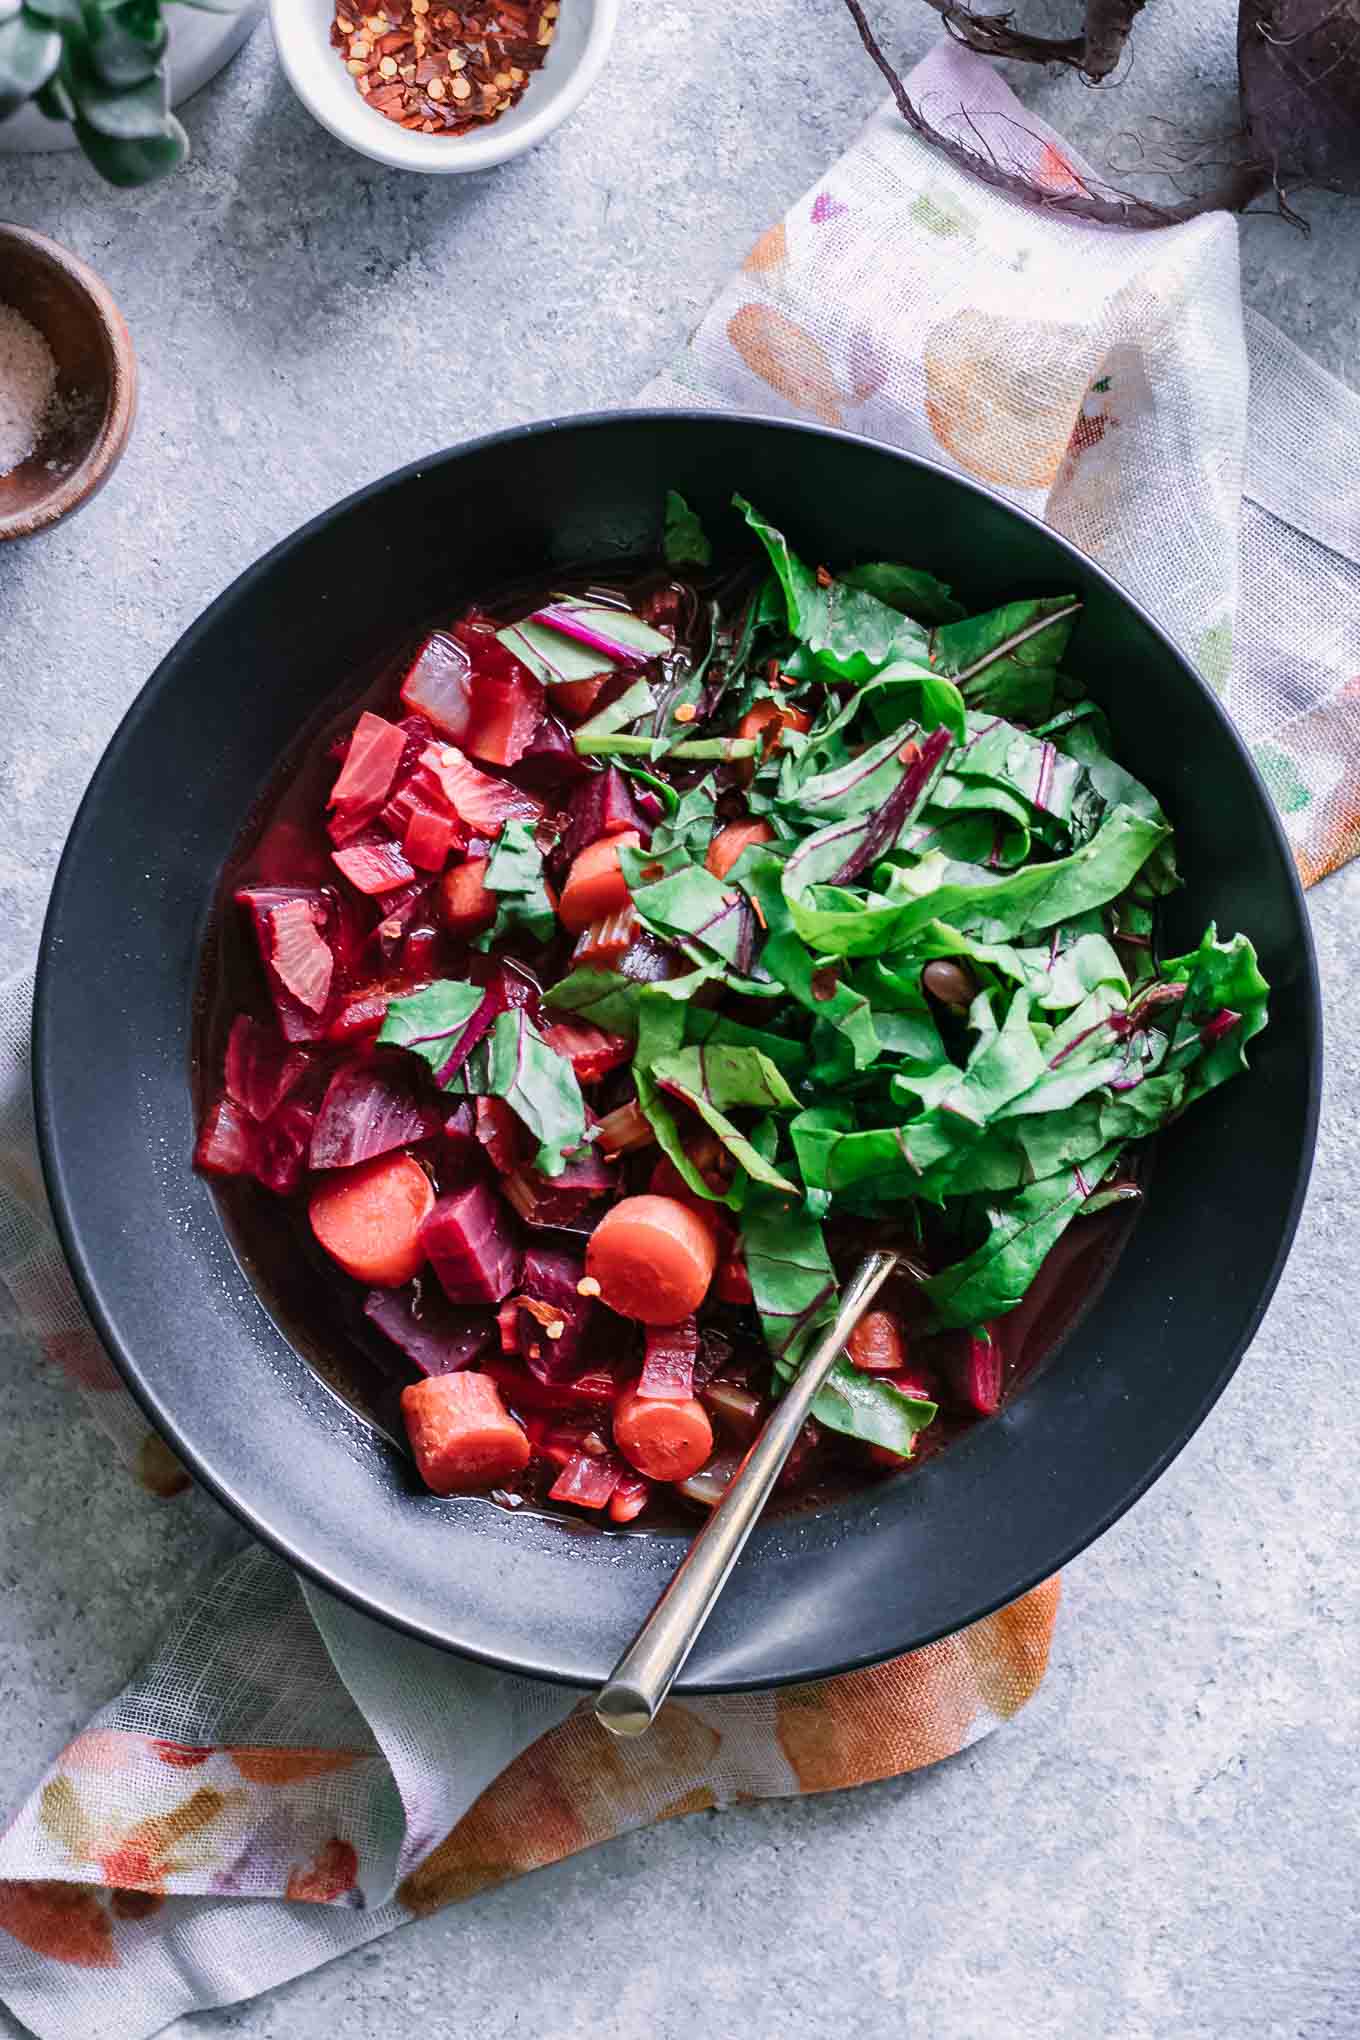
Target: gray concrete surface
[(1165, 1844)]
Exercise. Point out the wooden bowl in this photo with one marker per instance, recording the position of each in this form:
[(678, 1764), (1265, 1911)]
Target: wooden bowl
[(96, 395)]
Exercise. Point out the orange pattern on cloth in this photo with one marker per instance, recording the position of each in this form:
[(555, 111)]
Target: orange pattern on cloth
[(577, 1786)]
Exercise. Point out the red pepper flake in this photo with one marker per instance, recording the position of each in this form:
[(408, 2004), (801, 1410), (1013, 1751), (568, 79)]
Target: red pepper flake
[(825, 982), (909, 753), (437, 71), (825, 577)]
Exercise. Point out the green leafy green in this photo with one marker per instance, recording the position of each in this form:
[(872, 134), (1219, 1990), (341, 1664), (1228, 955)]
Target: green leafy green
[(794, 1287), (946, 797), (1008, 672), (910, 589), (1020, 1231), (713, 1079), (688, 905), (515, 873), (635, 701), (429, 1022), (539, 1085), (849, 634), (683, 540)]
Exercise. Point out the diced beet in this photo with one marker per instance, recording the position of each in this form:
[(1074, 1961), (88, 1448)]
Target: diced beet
[(281, 1146), (471, 1245), (419, 793), (347, 823), (561, 1201), (602, 805), (668, 1362), (554, 1315), (290, 927), (401, 907), (461, 1149), (498, 1133), (588, 1479), (429, 839), (373, 864), (507, 703), (591, 1051), (435, 1336), (482, 803), (348, 932), (399, 910), (419, 950), (512, 987), (300, 957), (362, 1014), (261, 1069), (594, 1390), (551, 759), (437, 685), (370, 766), (369, 1109), (226, 1144)]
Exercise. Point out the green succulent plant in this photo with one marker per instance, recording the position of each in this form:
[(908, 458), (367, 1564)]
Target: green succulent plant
[(99, 64)]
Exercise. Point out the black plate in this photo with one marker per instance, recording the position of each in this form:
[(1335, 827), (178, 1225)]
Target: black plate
[(868, 1577)]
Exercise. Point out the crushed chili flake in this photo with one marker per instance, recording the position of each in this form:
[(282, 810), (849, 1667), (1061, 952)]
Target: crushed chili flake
[(439, 71)]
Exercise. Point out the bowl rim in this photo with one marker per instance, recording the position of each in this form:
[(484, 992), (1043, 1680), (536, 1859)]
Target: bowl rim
[(398, 148), (46, 1047), (75, 489)]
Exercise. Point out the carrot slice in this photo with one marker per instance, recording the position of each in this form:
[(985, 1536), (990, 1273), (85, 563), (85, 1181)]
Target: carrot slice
[(653, 1259), (664, 1440), (464, 902), (596, 887), (605, 943), (368, 1218), (876, 1346), (729, 843), (768, 720), (464, 1438)]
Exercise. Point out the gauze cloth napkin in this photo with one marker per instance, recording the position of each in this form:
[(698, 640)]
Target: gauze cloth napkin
[(285, 1781)]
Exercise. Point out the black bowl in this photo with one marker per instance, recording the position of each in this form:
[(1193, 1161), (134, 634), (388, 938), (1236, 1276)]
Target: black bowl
[(858, 1581)]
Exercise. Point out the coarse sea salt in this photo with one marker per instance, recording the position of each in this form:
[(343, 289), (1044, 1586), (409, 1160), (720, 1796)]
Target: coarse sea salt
[(28, 377)]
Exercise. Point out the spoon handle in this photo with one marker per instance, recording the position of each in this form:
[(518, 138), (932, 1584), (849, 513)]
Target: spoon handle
[(644, 1674)]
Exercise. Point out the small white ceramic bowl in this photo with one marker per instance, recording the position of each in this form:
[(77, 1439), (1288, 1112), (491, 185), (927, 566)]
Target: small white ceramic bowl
[(302, 31)]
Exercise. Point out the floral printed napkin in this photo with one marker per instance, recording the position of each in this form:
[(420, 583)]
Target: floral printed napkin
[(281, 1749), (1097, 377)]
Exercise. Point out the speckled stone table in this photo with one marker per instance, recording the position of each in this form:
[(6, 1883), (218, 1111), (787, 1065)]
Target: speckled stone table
[(1165, 1843)]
